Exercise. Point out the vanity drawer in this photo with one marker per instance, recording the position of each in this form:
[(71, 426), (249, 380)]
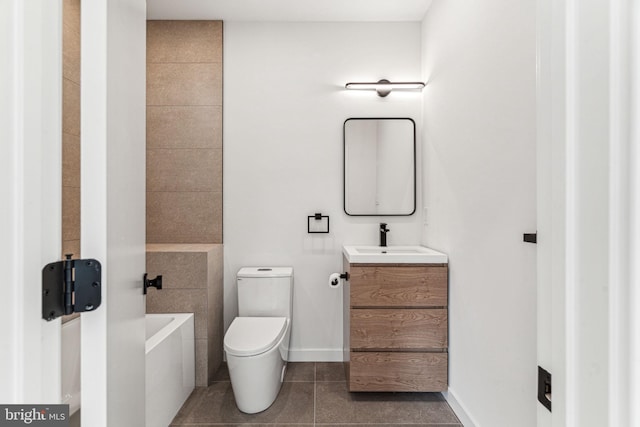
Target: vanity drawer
[(395, 371), (404, 329), (398, 286)]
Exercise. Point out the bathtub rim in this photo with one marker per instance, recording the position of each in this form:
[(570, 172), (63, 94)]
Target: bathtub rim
[(178, 320)]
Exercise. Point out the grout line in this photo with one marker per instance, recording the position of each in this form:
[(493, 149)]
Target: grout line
[(183, 148), (186, 106), (183, 105), (183, 62), (186, 191), (71, 81)]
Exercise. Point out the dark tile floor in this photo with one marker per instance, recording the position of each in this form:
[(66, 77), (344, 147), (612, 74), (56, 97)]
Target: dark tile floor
[(74, 420), (315, 394)]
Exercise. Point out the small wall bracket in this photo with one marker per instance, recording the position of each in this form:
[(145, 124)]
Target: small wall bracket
[(71, 286)]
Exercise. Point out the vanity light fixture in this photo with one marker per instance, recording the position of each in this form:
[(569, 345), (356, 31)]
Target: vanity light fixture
[(383, 87)]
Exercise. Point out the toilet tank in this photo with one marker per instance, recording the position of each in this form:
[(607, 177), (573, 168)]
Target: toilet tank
[(265, 291)]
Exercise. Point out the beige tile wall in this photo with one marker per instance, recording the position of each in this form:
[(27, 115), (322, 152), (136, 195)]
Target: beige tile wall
[(71, 128), (191, 283), (184, 132)]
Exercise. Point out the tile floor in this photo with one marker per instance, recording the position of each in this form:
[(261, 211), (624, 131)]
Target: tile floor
[(315, 394)]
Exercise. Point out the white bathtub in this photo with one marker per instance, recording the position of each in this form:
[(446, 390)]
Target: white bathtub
[(71, 364), (170, 365)]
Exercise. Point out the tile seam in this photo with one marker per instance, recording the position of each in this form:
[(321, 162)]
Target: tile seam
[(71, 133), (183, 148), (221, 62), (184, 105), (182, 191)]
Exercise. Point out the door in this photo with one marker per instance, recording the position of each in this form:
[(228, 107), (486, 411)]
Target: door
[(113, 211), (587, 210), (30, 220), (113, 68)]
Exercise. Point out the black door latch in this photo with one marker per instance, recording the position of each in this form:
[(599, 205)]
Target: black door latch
[(151, 283), (544, 388)]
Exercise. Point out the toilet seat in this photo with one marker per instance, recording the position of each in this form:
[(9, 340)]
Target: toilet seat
[(250, 336)]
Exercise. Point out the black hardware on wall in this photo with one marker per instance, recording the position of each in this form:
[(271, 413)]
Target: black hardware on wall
[(151, 283), (544, 388), (71, 286), (530, 237), (344, 276), (317, 217)]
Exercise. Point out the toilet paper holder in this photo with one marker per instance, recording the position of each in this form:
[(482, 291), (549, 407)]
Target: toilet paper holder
[(344, 276)]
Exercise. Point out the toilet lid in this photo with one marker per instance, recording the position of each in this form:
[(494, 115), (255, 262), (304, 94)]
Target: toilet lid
[(249, 336)]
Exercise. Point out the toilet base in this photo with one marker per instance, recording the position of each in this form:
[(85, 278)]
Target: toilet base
[(256, 380)]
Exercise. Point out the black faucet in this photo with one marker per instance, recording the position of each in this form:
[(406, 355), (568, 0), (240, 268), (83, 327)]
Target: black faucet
[(383, 234)]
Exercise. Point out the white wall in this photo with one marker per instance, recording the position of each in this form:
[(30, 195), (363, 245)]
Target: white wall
[(284, 106), (480, 156)]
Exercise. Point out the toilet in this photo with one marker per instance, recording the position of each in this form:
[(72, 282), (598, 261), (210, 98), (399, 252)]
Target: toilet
[(257, 342)]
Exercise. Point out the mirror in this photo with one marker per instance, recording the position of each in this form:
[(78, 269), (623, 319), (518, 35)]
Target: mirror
[(379, 166)]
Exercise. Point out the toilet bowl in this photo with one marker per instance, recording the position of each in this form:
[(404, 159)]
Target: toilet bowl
[(256, 357), (257, 342)]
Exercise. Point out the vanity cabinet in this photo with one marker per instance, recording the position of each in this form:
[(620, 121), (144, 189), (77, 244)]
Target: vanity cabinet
[(396, 328)]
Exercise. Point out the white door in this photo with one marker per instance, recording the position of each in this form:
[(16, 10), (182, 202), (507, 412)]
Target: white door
[(30, 194), (587, 210), (113, 202), (113, 68)]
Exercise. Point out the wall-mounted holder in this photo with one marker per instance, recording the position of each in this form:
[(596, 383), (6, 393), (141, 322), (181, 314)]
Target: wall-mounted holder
[(334, 279), (318, 223), (151, 283), (530, 237), (71, 286)]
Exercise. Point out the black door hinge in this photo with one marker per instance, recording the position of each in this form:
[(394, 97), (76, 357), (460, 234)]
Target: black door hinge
[(70, 286), (544, 388)]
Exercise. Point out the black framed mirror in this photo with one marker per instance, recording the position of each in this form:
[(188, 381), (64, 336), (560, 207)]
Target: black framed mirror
[(379, 166)]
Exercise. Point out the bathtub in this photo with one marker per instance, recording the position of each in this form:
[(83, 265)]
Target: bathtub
[(170, 365), (71, 364)]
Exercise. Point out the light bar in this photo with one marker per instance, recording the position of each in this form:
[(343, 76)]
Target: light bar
[(384, 87)]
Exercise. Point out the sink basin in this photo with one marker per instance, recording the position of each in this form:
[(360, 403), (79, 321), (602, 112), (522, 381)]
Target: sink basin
[(393, 255)]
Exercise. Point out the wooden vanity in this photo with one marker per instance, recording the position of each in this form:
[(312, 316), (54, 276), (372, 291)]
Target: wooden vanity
[(396, 327)]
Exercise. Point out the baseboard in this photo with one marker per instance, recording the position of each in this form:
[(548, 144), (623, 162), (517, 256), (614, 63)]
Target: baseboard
[(460, 409), (315, 355)]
